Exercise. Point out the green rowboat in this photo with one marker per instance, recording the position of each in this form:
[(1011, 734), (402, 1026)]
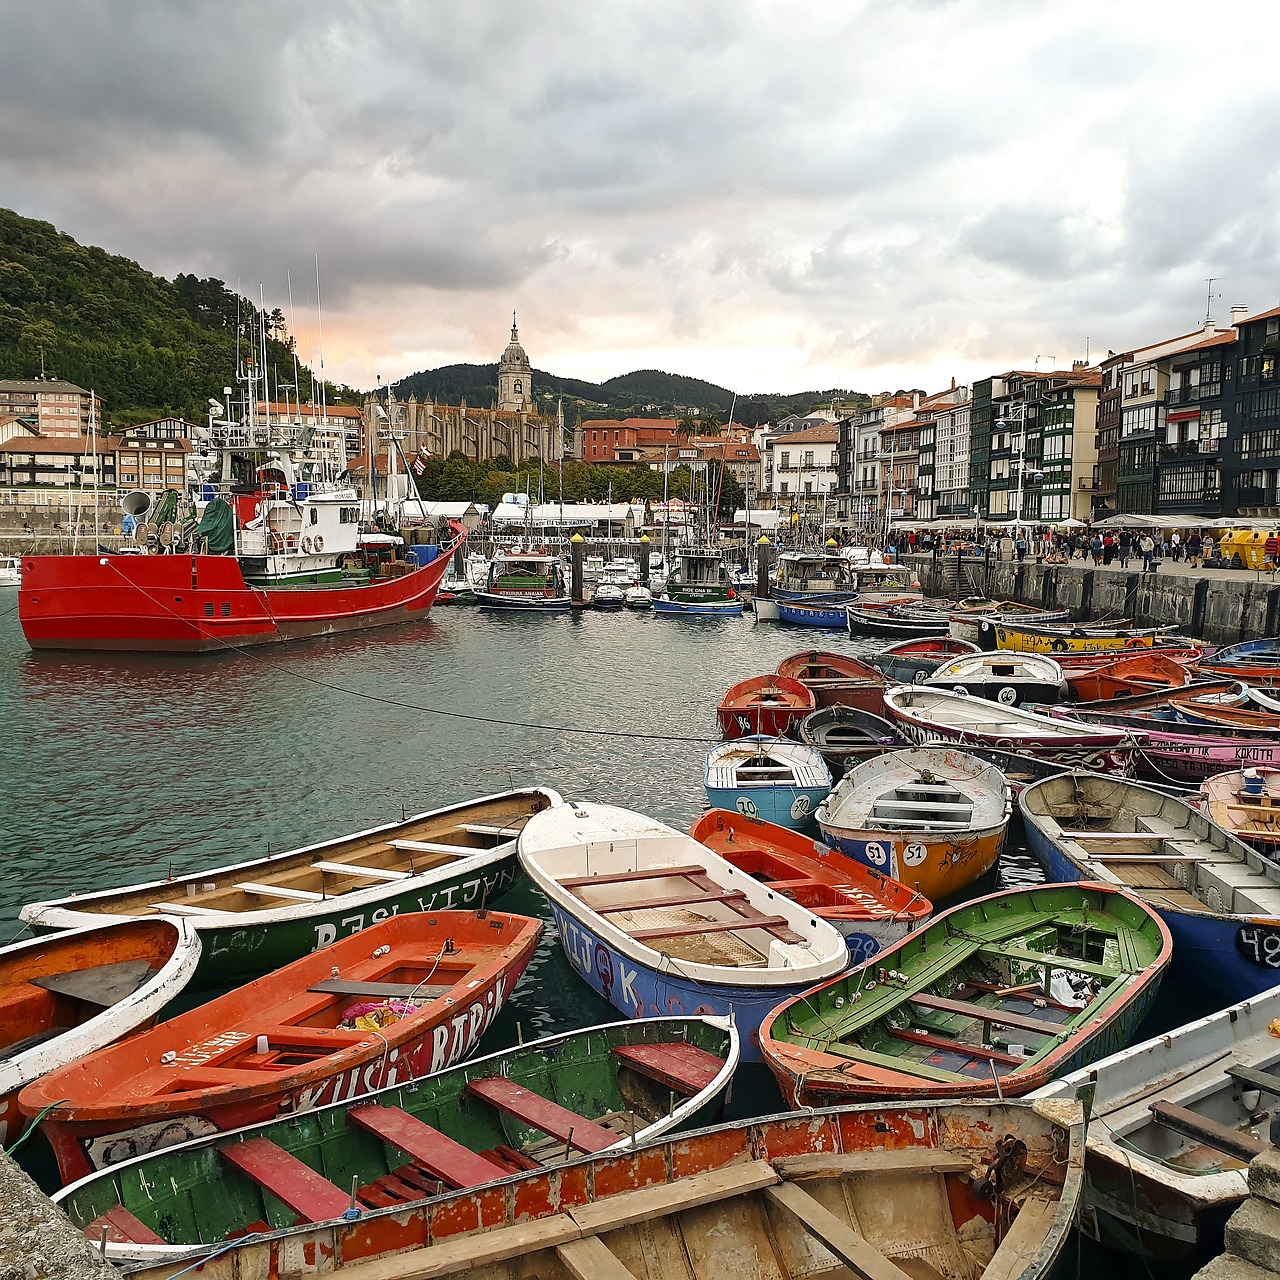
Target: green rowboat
[(608, 1087), (999, 995), (253, 917)]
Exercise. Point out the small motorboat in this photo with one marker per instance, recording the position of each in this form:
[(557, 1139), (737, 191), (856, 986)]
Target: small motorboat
[(1175, 1122), (1010, 679), (871, 910), (764, 704), (847, 736), (1147, 672), (930, 715), (73, 992), (609, 596), (910, 661), (1219, 897), (1002, 994), (656, 923), (1246, 802), (890, 620), (10, 571), (837, 679), (534, 1106), (770, 778), (403, 998), (932, 817), (638, 597), (986, 1189), (699, 587)]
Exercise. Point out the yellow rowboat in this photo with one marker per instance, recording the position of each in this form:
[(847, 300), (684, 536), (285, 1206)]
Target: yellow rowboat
[(1075, 639)]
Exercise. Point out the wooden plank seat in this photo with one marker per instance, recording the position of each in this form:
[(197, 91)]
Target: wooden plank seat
[(1071, 964), (853, 1249), (400, 1186), (1249, 1078), (957, 1046), (379, 990), (1022, 1239), (840, 1164), (177, 908), (366, 873), (279, 891), (993, 1016), (740, 906), (771, 924), (918, 824), (1137, 837), (625, 877), (1221, 1137), (924, 806), (541, 1113), (458, 1167), (682, 1067), (487, 829), (121, 1227), (891, 1062), (310, 1195), (678, 900), (432, 846), (283, 1034), (1157, 858)]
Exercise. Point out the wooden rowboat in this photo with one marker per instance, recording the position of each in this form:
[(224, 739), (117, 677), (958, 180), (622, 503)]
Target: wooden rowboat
[(836, 679), (658, 924), (1246, 802), (891, 620), (933, 818), (976, 621), (869, 909), (256, 916), (1008, 678), (1003, 992), (66, 995), (763, 704), (1176, 1121), (770, 778), (1219, 898), (1146, 672), (1055, 640), (401, 999), (983, 1191), (526, 1108), (1257, 661), (910, 661), (846, 736)]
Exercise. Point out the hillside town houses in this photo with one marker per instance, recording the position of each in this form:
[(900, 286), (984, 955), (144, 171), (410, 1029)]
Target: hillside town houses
[(1185, 426)]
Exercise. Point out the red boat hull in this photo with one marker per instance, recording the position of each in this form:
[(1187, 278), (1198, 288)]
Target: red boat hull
[(199, 604)]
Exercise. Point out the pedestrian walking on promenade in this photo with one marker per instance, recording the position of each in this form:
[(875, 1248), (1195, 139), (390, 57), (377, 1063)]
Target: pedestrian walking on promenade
[(1148, 548), (1270, 552), (1193, 549)]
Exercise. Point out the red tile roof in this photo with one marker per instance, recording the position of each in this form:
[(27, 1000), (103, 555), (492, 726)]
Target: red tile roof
[(59, 444), (826, 434)]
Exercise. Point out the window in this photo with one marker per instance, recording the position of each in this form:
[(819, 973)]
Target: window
[(786, 459), (806, 459), (1136, 421)]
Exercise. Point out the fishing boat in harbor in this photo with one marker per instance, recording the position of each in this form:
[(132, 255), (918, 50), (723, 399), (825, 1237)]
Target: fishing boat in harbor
[(1219, 897), (1246, 802), (403, 998), (1149, 671), (766, 777), (1175, 1121), (845, 737), (261, 914), (910, 661), (811, 576), (976, 621), (890, 620), (77, 991), (1024, 638), (1010, 679), (986, 1191), (699, 587), (530, 1107), (764, 704), (811, 613), (525, 581), (1004, 992), (929, 715), (836, 679), (870, 909), (656, 923), (10, 571), (933, 818)]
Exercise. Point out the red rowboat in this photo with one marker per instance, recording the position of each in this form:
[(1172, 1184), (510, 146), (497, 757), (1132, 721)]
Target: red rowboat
[(870, 910), (1146, 672), (398, 1000), (67, 994), (202, 603), (764, 704), (837, 680), (1084, 661)]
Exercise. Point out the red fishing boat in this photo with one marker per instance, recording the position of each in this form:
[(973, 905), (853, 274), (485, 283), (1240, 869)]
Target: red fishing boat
[(1146, 672), (869, 909), (764, 704), (837, 680), (400, 999)]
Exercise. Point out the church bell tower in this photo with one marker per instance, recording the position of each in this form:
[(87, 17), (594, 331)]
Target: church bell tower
[(515, 389)]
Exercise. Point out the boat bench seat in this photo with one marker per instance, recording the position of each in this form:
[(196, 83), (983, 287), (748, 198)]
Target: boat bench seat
[(432, 846), (624, 877), (957, 1046), (309, 1194), (888, 1061), (121, 1227), (678, 900), (1049, 958), (923, 806), (1220, 1137), (378, 990), (365, 873), (987, 1014), (541, 1113), (185, 909), (682, 1067), (776, 925), (509, 832), (458, 1167), (279, 891)]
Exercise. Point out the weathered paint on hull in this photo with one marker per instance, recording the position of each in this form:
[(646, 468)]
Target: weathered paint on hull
[(1032, 642), (937, 868), (790, 807)]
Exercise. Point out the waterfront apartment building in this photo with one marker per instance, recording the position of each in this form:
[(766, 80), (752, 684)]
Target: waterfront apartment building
[(858, 482), (1249, 447), (52, 406), (59, 462), (799, 468), (943, 461), (654, 443)]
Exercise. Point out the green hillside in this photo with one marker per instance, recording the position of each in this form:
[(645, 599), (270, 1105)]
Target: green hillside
[(147, 345)]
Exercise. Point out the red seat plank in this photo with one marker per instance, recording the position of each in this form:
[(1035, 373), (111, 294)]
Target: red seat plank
[(551, 1118), (456, 1166), (312, 1197), (682, 1067), (121, 1228)]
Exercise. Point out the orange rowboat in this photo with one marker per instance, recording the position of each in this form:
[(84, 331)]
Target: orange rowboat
[(837, 680), (764, 704), (870, 910), (1146, 672), (398, 1000)]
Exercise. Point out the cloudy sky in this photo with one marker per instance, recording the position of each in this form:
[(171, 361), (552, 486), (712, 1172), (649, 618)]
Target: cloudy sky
[(775, 196)]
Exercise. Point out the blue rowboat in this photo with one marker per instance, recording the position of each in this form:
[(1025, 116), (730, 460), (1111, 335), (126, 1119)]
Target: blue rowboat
[(1219, 897), (803, 614), (660, 926), (699, 608), (761, 776)]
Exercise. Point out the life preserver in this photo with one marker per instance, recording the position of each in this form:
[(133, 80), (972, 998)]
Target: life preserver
[(733, 595), (317, 543), (1133, 643), (306, 546), (276, 542), (1059, 646)]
